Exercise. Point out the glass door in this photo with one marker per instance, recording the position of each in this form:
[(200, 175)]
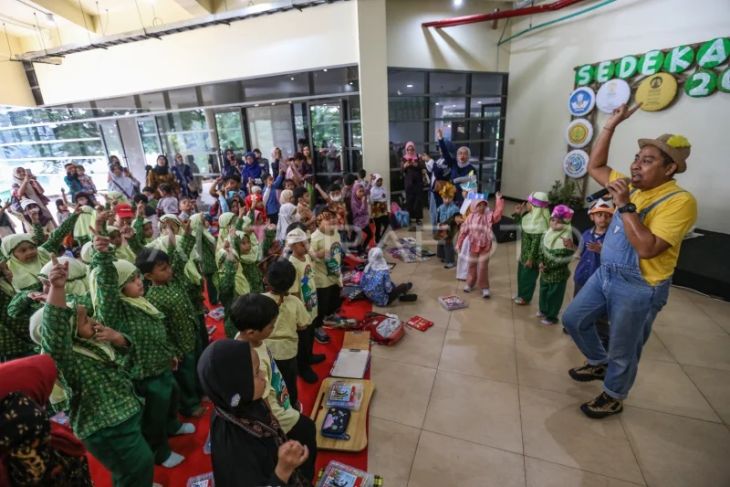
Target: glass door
[(327, 133)]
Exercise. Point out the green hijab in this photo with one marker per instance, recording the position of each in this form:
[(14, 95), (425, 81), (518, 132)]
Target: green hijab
[(536, 221), (224, 224), (553, 239), (86, 220), (101, 351), (241, 283), (25, 274), (76, 284), (125, 272)]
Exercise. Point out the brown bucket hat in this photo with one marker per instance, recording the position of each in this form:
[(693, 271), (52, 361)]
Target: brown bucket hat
[(677, 147)]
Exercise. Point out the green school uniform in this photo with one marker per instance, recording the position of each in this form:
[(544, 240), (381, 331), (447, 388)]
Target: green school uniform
[(174, 301), (14, 339), (152, 354), (555, 258), (227, 292), (533, 226)]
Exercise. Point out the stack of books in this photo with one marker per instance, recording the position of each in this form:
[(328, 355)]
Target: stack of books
[(453, 302), (419, 323), (351, 364), (346, 395), (338, 474)]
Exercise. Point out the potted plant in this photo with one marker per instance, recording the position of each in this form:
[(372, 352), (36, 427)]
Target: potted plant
[(567, 193)]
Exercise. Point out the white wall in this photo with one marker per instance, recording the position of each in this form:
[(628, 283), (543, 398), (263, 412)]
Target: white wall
[(541, 77), (469, 47), (280, 43)]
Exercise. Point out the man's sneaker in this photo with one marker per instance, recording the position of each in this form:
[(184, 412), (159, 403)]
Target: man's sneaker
[(588, 372), (548, 322), (602, 406), (539, 314), (520, 301), (321, 336)]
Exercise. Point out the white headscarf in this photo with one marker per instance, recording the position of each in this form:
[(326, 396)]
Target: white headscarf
[(376, 260)]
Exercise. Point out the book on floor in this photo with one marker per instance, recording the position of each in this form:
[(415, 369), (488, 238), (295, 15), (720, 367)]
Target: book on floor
[(338, 474), (345, 395), (452, 302), (419, 323), (351, 364)]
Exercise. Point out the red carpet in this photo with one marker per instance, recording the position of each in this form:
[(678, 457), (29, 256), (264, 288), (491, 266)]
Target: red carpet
[(191, 446)]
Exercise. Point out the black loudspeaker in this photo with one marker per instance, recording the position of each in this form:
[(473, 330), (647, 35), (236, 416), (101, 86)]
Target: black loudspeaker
[(506, 230)]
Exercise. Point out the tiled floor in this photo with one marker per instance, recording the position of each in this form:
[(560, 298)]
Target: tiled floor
[(484, 399)]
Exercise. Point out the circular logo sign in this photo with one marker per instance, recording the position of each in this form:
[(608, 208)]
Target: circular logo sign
[(575, 164), (700, 83), (579, 133), (656, 92), (581, 101), (612, 95)]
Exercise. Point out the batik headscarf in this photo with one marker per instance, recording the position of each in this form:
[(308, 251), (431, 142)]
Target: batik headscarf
[(553, 239), (25, 274), (126, 271), (537, 220), (76, 284)]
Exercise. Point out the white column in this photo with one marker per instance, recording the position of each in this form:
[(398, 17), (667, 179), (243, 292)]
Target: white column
[(373, 53)]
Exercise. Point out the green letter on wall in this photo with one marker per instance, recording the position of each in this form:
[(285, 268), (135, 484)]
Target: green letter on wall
[(584, 75), (627, 67), (678, 59), (713, 53)]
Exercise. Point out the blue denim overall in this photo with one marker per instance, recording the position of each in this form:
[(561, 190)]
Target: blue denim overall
[(617, 289)]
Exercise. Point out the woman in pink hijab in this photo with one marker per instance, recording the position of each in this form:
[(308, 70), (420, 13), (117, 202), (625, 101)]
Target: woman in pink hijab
[(413, 169)]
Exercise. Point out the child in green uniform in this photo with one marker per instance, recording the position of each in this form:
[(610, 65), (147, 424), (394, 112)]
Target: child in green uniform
[(105, 412), (25, 255), (118, 295), (326, 251), (293, 317), (556, 252), (231, 280), (305, 289), (170, 294), (255, 316), (204, 254), (533, 217), (14, 339)]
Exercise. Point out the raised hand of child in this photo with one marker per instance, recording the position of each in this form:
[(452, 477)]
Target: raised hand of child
[(170, 237), (37, 296), (140, 209), (186, 227), (230, 256), (101, 243), (498, 195), (59, 273)]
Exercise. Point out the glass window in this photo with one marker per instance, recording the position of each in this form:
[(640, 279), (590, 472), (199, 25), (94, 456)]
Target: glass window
[(183, 98), (408, 108), (275, 87), (406, 82), (270, 127), (486, 84), (150, 139), (338, 80), (486, 106), (123, 105), (402, 132), (152, 101), (447, 83), (222, 93), (110, 132), (443, 107), (230, 129), (326, 122)]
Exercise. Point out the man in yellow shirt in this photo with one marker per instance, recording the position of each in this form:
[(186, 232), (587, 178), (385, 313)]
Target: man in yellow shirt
[(639, 254)]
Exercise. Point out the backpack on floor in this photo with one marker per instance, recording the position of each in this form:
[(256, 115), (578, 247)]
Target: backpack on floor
[(384, 329)]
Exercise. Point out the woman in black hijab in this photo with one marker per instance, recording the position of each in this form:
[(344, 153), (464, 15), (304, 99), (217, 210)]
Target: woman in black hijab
[(248, 447), (160, 174)]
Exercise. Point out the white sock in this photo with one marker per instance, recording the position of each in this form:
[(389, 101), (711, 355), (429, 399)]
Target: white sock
[(173, 460)]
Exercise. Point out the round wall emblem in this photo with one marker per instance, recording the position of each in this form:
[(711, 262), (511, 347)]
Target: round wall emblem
[(575, 164), (579, 133), (612, 95), (656, 92), (581, 101)]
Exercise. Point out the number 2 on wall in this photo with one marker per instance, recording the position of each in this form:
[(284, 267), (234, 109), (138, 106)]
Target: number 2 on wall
[(701, 83)]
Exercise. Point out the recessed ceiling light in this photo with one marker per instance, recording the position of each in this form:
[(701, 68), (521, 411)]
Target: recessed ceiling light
[(292, 78), (457, 3), (437, 103), (409, 86), (273, 103), (256, 105), (351, 83), (325, 70), (480, 102)]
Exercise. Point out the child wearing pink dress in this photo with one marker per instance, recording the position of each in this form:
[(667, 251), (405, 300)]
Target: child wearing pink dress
[(477, 231)]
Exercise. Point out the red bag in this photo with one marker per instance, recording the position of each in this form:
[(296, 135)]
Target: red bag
[(384, 329)]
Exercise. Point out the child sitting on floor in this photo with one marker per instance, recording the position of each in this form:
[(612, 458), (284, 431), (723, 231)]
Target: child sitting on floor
[(377, 285), (168, 204), (293, 317), (555, 254), (477, 228), (254, 316)]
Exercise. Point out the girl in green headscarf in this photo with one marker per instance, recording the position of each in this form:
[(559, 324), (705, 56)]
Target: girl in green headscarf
[(204, 253), (105, 411), (14, 340), (25, 256), (183, 246), (118, 295), (556, 252), (533, 217), (76, 283), (231, 280)]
